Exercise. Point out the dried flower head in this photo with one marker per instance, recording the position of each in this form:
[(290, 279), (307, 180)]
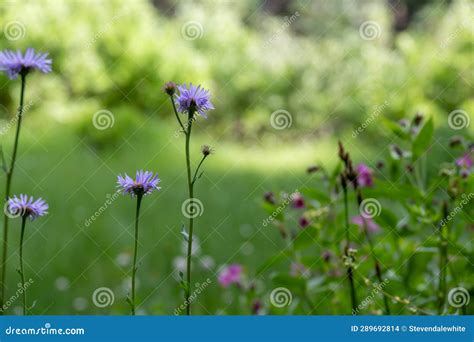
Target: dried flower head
[(15, 63), (169, 88), (193, 99), (25, 206), (143, 184), (206, 150)]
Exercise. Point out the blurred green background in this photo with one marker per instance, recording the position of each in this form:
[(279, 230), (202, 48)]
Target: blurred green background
[(316, 60)]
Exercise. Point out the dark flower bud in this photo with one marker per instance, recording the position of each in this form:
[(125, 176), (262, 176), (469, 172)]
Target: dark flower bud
[(304, 222), (256, 306), (418, 119), (342, 153), (327, 255), (169, 88), (269, 197), (312, 169), (206, 150), (455, 141)]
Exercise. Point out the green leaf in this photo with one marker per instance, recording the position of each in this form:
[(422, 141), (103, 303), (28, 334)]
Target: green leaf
[(316, 194), (294, 284), (306, 237), (423, 139), (282, 256), (395, 128)]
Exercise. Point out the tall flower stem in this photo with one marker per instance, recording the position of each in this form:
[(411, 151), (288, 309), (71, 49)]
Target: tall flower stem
[(443, 259), (350, 271), (9, 176), (135, 253), (22, 273), (191, 217)]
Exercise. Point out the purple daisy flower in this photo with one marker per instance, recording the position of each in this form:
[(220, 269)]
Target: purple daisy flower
[(193, 98), (14, 63), (26, 207), (143, 184)]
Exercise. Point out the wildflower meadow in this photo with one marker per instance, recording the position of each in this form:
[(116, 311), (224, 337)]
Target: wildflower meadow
[(303, 157)]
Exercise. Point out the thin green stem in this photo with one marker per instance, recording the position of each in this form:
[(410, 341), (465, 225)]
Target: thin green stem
[(176, 114), (350, 273), (22, 274), (443, 259), (378, 271), (191, 217), (9, 176), (197, 169), (135, 253)]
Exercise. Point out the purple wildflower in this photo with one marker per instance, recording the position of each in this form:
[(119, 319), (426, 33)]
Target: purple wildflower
[(299, 270), (372, 227), (230, 275), (364, 176), (465, 161), (15, 63), (194, 99), (298, 201), (27, 207), (145, 182), (304, 222)]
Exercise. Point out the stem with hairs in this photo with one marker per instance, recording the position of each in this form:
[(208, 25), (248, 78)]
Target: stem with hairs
[(349, 258), (9, 176), (22, 273), (135, 253)]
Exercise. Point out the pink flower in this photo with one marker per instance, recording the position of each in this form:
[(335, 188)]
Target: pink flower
[(298, 201), (230, 275), (372, 227), (364, 176), (304, 222), (465, 161)]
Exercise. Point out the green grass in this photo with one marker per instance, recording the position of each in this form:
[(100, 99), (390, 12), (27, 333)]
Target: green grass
[(75, 179)]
